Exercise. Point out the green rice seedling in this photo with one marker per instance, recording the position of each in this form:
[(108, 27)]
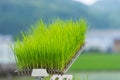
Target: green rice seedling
[(50, 46)]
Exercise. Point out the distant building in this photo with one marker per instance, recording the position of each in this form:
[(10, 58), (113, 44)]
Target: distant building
[(103, 40), (116, 46), (6, 54)]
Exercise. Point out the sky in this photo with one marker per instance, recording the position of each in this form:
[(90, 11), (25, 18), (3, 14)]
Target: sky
[(87, 2)]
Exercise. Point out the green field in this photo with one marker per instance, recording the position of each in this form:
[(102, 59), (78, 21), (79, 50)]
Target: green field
[(89, 63), (97, 62)]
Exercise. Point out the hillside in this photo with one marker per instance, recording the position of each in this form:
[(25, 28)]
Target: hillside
[(107, 13), (18, 15)]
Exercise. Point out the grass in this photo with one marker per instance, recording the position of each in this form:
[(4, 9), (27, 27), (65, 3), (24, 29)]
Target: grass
[(50, 46), (97, 62)]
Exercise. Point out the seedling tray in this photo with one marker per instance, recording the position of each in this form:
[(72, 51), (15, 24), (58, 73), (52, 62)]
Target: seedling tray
[(54, 71)]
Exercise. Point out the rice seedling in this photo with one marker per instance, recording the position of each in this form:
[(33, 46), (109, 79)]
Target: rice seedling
[(50, 46)]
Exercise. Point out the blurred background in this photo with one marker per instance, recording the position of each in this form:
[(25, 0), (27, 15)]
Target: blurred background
[(101, 58)]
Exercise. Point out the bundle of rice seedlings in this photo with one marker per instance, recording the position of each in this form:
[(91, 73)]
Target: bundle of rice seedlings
[(50, 46)]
